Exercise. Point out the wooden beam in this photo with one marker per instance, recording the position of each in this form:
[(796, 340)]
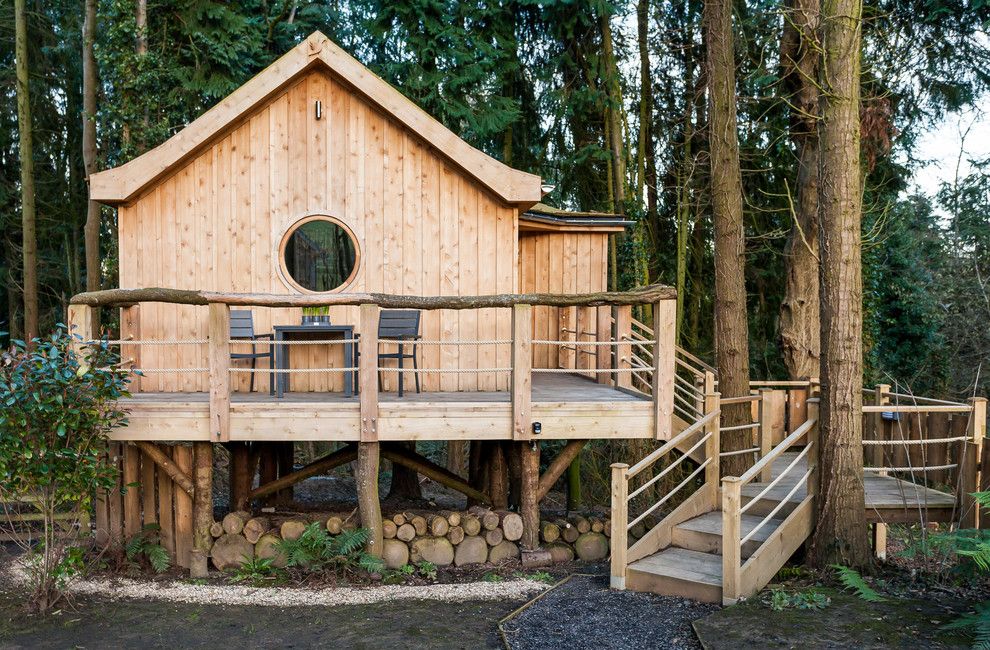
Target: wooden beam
[(202, 508), (179, 477), (522, 372), (328, 462), (125, 297), (368, 501), (433, 471), (219, 363), (368, 371), (664, 351), (557, 467)]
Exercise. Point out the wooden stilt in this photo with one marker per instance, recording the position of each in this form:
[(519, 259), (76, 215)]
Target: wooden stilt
[(202, 508), (498, 476), (405, 481), (529, 507), (515, 474), (268, 470), (474, 469), (286, 462), (368, 501), (240, 480), (455, 456)]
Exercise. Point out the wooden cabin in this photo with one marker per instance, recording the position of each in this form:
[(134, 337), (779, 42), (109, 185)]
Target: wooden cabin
[(317, 186)]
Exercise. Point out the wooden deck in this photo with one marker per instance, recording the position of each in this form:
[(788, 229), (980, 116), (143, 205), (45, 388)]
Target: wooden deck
[(568, 406), (888, 499)]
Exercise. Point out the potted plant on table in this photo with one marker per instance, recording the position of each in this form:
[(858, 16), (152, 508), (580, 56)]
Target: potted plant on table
[(316, 315)]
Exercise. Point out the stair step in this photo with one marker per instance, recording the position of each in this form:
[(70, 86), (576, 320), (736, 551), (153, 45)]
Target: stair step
[(704, 533), (678, 572)]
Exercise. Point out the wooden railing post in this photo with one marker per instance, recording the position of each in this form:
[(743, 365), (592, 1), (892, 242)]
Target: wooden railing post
[(368, 459), (877, 460), (765, 431), (712, 447), (82, 323), (522, 372), (731, 553), (620, 522), (368, 372), (623, 352), (813, 437), (968, 468), (219, 363), (978, 431), (664, 367)]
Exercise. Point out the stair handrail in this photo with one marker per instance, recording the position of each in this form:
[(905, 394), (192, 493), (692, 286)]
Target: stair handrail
[(738, 578), (703, 434)]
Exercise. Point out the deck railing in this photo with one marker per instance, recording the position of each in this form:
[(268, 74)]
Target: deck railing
[(741, 579), (212, 357)]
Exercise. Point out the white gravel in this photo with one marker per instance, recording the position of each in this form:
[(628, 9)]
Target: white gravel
[(126, 588)]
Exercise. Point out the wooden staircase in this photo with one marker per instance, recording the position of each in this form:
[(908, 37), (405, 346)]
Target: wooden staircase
[(728, 538)]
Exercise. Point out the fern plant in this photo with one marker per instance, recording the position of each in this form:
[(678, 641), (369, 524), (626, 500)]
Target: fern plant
[(853, 581), (146, 544), (257, 570), (317, 550), (976, 623)]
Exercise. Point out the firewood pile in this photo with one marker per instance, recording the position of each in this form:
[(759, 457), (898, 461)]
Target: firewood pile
[(474, 536)]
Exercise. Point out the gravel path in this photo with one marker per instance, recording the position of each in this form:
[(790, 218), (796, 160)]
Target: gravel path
[(584, 613), (184, 592)]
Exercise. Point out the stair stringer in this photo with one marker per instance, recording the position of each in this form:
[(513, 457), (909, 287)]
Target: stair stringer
[(659, 537), (763, 564), (677, 425)]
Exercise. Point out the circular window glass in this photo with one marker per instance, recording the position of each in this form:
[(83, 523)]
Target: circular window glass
[(319, 254)]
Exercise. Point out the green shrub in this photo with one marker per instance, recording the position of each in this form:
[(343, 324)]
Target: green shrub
[(779, 600), (56, 409), (147, 545), (318, 550)]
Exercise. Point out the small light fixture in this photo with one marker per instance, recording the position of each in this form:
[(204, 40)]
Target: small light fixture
[(547, 188), (319, 110)]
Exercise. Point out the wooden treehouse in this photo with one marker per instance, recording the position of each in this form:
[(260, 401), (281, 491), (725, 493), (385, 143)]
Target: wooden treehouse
[(341, 267)]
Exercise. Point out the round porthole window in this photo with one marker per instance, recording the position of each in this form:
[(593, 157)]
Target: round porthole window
[(319, 254)]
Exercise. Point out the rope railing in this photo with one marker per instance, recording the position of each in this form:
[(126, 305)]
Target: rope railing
[(669, 468), (778, 507), (772, 484), (920, 469), (701, 467)]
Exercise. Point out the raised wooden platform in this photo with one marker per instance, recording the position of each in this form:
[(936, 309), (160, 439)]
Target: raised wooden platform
[(888, 499), (567, 406)]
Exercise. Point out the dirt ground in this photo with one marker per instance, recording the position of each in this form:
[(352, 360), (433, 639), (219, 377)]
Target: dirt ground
[(95, 623)]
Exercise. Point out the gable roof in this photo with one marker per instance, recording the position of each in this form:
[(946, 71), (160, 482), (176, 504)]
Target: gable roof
[(124, 183)]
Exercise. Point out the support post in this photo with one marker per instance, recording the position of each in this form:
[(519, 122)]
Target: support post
[(82, 327), (202, 508), (620, 522), (219, 362), (664, 367), (240, 474), (877, 459), (814, 453), (529, 507), (731, 495), (978, 431), (367, 489), (968, 467), (368, 375), (712, 448), (623, 352), (522, 374), (765, 432)]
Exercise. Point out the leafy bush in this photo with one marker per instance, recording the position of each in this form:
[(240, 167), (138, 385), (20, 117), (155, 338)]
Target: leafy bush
[(56, 409), (317, 550), (147, 545)]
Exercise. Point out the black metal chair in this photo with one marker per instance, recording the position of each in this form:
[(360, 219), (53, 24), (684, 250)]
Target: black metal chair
[(242, 327), (397, 324)]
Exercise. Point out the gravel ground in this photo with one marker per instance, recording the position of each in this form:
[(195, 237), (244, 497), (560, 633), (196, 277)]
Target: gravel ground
[(584, 613), (185, 592)]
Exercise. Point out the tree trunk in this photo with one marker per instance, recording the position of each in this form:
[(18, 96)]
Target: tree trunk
[(29, 253), (731, 336), (92, 228), (799, 318), (841, 534)]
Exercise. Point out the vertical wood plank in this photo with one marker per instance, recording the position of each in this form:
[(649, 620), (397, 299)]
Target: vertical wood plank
[(149, 503), (731, 491), (115, 499), (166, 507), (623, 334), (132, 491), (603, 328)]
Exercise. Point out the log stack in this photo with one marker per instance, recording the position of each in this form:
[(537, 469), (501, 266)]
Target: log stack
[(445, 538)]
